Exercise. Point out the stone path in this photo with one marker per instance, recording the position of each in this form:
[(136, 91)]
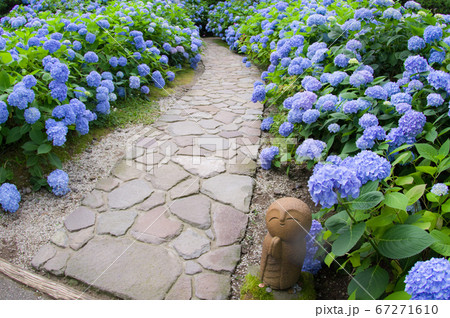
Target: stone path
[(167, 223)]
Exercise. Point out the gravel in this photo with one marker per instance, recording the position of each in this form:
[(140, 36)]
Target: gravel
[(42, 213)]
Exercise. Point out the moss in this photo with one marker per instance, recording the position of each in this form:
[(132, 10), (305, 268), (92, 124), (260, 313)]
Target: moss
[(251, 291), (221, 43)]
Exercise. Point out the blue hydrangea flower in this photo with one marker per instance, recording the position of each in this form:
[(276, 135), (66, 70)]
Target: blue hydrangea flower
[(248, 64), (368, 120), (267, 123), (56, 131), (52, 46), (104, 106), (416, 43), (267, 155), (60, 72), (120, 74), (311, 84), (135, 82), (90, 37), (328, 179), (429, 280), (80, 92), (310, 263), (401, 98), (327, 102), (58, 180), (93, 79), (436, 56), (414, 85), (77, 45), (438, 79), (4, 114), (391, 88), (9, 197), (377, 92), (368, 166), (334, 128), (259, 93), (145, 89), (29, 81), (316, 19), (21, 96), (311, 149), (353, 45), (432, 33), (434, 100), (113, 61), (361, 78), (402, 108), (286, 129), (304, 100), (351, 25), (372, 133), (439, 189), (350, 107), (32, 115), (143, 70), (310, 116), (412, 122), (392, 13), (341, 60), (91, 57), (416, 64), (295, 116), (158, 79), (122, 61), (103, 24), (170, 76)]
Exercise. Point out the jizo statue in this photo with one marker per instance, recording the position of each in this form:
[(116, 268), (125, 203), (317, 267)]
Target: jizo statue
[(288, 221)]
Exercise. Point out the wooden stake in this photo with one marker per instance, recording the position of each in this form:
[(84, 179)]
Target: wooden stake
[(53, 289)]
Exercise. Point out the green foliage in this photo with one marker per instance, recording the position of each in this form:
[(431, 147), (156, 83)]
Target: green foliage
[(7, 5)]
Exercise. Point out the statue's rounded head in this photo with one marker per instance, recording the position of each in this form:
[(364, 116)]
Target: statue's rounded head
[(288, 218)]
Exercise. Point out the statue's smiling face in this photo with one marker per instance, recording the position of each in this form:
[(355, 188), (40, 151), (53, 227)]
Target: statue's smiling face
[(284, 224)]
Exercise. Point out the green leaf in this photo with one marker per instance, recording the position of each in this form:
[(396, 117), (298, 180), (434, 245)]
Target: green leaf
[(400, 295), (6, 57), (44, 148), (444, 165), (369, 284), (415, 193), (442, 244), (404, 240), (396, 200), (348, 239), (337, 221), (54, 160), (427, 151), (445, 148), (37, 136), (349, 147), (329, 259), (32, 161), (367, 201), (5, 174), (382, 220), (29, 146), (14, 135), (431, 135), (402, 158), (404, 180), (4, 80), (427, 169), (369, 187)]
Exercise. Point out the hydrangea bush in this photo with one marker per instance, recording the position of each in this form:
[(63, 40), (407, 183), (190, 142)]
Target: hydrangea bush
[(364, 88), (65, 63)]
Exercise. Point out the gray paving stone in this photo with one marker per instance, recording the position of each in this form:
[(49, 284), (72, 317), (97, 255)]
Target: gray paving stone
[(184, 128), (115, 223), (156, 199), (192, 268), (201, 166), (209, 124), (190, 244), (221, 259), (78, 239), (45, 253), (79, 219), (125, 172), (170, 118), (129, 194), (181, 290), (185, 188), (230, 189), (93, 199), (133, 270), (225, 117), (107, 184), (154, 227), (57, 264), (60, 238), (167, 176), (194, 210), (212, 286), (229, 225)]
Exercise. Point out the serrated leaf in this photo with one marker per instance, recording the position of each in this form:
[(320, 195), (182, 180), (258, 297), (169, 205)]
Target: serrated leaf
[(396, 200), (399, 295), (54, 160), (404, 240), (404, 180), (427, 169), (367, 201), (44, 148), (369, 284), (427, 151), (415, 193), (337, 222), (442, 244), (348, 239)]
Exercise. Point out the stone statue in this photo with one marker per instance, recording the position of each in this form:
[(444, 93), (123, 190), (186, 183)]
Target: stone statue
[(288, 221)]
